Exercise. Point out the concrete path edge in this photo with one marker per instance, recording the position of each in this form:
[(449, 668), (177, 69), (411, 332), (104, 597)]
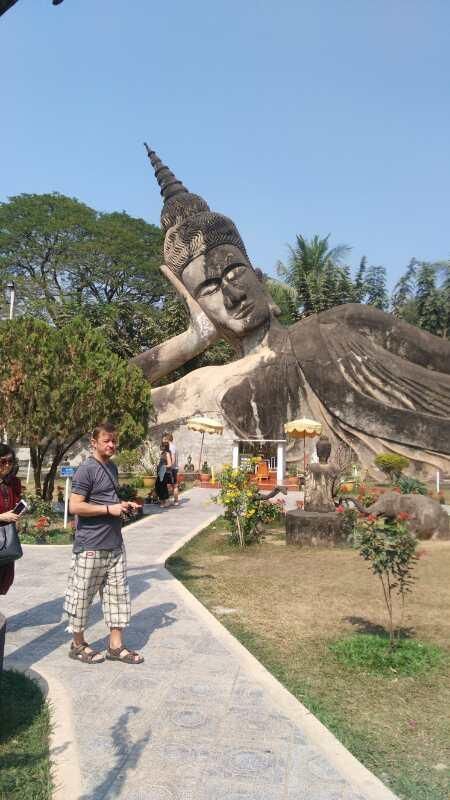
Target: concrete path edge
[(65, 764), (360, 777)]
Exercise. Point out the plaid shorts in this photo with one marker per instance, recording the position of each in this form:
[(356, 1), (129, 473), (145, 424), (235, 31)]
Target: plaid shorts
[(103, 571)]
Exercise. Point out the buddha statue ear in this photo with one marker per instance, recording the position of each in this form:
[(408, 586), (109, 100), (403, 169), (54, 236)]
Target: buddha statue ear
[(273, 308)]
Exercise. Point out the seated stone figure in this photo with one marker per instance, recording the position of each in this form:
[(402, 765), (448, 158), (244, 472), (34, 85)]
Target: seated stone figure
[(320, 479), (189, 467), (373, 381)]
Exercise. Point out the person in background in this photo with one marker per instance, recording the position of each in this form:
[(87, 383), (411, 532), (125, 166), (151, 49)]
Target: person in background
[(163, 475), (10, 493), (168, 437)]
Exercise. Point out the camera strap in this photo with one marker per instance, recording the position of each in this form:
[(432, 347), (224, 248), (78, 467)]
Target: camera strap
[(110, 478)]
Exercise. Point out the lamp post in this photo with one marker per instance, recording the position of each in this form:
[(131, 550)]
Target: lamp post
[(12, 297)]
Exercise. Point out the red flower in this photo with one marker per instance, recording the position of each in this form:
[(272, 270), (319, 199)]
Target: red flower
[(402, 516), (340, 509), (371, 518), (43, 522)]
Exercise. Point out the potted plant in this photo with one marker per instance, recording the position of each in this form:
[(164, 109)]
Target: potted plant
[(292, 476), (205, 472), (149, 459)]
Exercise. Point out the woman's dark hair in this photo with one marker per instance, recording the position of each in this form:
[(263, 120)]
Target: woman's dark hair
[(165, 447), (6, 450)]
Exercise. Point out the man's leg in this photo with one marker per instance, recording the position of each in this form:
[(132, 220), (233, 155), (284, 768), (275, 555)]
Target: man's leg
[(117, 607), (86, 577)]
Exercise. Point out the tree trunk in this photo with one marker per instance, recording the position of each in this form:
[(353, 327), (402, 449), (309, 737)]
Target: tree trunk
[(36, 463), (59, 453), (49, 482)]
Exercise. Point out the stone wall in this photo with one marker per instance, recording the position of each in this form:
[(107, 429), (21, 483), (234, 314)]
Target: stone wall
[(217, 450)]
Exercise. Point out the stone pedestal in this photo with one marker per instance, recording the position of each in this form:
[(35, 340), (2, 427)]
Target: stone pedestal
[(2, 640), (313, 528)]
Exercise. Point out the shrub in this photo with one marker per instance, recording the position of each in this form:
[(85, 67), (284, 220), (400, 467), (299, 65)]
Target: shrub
[(128, 460), (127, 492), (409, 485), (245, 510), (390, 548), (391, 464), (39, 507), (136, 483)]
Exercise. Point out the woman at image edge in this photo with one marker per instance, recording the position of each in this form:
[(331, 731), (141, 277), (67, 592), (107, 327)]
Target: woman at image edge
[(10, 492)]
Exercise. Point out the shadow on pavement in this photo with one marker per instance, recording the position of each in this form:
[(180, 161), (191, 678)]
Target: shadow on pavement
[(127, 756), (50, 612)]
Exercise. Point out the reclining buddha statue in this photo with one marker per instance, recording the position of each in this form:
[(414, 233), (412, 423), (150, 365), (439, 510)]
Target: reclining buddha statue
[(374, 382)]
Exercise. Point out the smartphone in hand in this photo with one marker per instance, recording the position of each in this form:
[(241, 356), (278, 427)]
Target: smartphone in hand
[(20, 508)]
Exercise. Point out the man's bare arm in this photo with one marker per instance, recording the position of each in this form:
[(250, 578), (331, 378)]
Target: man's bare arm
[(79, 506)]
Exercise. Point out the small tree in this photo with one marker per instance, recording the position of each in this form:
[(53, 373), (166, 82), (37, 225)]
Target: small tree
[(391, 464), (245, 510), (55, 385), (390, 548)]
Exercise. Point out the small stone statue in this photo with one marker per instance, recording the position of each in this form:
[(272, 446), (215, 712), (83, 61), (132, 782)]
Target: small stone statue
[(189, 467), (319, 480)]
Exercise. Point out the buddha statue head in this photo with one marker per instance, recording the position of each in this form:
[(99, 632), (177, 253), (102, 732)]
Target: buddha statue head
[(323, 449), (206, 253)]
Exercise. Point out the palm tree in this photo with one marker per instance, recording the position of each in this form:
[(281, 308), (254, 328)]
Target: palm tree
[(317, 273)]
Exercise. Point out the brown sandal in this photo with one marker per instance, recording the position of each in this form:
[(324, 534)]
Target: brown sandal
[(78, 652), (127, 658)]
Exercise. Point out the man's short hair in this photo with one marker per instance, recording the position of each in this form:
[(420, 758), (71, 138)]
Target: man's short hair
[(106, 427)]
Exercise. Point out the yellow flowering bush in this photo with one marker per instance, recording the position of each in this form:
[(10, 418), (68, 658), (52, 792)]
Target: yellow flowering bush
[(245, 510)]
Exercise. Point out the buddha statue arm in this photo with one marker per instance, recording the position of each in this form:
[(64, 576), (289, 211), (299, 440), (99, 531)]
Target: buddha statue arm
[(164, 358)]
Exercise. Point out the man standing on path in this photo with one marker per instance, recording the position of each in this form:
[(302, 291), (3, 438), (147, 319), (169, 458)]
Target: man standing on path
[(168, 437), (99, 560)]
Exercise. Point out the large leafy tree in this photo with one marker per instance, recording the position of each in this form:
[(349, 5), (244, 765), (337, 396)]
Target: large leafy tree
[(69, 260), (375, 293), (422, 296), (56, 384)]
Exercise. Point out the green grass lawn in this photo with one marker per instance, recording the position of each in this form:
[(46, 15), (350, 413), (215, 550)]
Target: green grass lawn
[(24, 740), (293, 607)]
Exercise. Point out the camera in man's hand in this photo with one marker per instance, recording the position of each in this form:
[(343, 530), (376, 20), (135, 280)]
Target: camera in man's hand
[(130, 513)]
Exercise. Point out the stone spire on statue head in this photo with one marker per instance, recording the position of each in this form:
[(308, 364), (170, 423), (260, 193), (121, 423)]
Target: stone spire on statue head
[(190, 228)]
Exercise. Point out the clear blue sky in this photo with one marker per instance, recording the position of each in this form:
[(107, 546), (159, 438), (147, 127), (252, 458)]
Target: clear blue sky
[(290, 116)]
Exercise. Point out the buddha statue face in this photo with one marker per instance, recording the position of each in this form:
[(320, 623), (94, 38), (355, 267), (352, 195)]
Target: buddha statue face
[(228, 290)]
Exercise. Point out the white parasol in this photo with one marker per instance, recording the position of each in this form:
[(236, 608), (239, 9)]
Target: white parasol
[(300, 429), (204, 425)]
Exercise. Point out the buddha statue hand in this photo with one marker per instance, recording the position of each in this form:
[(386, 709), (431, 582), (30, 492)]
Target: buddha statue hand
[(164, 358), (201, 329)]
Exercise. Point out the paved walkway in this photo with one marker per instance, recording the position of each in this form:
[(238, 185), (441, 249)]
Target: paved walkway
[(200, 719)]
